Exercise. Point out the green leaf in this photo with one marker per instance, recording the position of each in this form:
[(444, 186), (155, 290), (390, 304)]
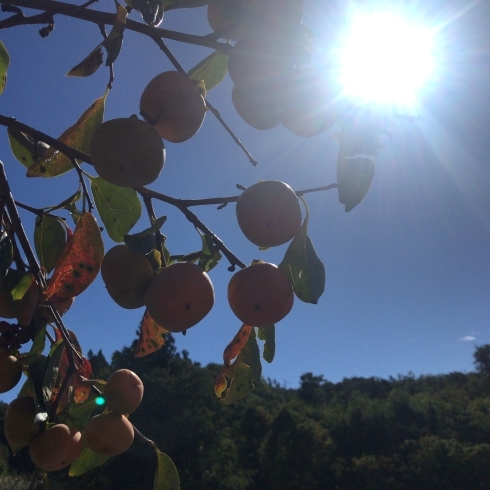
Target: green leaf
[(37, 347), (166, 475), (77, 136), (52, 371), (67, 203), (268, 334), (4, 63), (210, 255), (245, 370), (144, 241), (6, 255), (86, 461), (150, 10), (118, 207), (303, 267), (49, 241), (22, 286), (89, 65), (212, 69), (23, 147), (114, 41), (354, 176)]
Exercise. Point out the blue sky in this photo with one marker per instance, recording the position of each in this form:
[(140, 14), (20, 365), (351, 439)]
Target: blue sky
[(408, 270)]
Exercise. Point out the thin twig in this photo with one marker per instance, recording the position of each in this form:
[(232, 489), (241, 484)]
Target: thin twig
[(159, 236), (86, 195), (232, 258)]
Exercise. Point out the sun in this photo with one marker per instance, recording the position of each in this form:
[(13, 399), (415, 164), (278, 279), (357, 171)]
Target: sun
[(385, 59)]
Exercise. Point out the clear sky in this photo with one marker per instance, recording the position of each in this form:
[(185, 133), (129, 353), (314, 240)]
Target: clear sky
[(408, 270)]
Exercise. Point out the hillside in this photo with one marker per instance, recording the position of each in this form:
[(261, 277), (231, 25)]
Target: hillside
[(404, 433)]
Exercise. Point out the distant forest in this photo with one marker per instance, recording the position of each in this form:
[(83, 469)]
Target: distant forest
[(404, 433)]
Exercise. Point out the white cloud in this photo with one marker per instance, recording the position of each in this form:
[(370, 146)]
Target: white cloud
[(467, 338)]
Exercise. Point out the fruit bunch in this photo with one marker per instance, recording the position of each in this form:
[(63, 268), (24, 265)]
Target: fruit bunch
[(271, 86), (56, 445)]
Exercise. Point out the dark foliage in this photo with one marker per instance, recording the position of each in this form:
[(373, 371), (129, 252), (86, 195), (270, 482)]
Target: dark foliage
[(431, 432)]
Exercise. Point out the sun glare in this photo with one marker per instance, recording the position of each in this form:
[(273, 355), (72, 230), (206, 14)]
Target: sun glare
[(385, 59)]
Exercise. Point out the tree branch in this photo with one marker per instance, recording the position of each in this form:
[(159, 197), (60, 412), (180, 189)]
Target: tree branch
[(51, 7)]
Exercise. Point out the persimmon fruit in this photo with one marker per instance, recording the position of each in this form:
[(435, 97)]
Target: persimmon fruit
[(308, 106), (127, 152), (224, 17), (260, 113), (260, 294), (269, 213), (56, 447), (10, 370), (258, 65), (173, 105), (123, 392), (19, 426), (108, 434), (126, 275), (179, 296)]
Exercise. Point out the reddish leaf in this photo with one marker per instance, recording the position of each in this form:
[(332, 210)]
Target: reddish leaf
[(81, 389), (77, 385), (236, 345), (152, 336), (80, 262)]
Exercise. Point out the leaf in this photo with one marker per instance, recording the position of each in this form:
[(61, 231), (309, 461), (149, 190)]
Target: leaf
[(86, 461), (118, 207), (78, 414), (52, 372), (303, 267), (151, 10), (49, 241), (80, 262), (4, 63), (77, 136), (89, 65), (68, 203), (210, 255), (236, 345), (354, 177), (6, 255), (268, 334), (212, 70), (242, 373), (24, 148), (166, 475), (37, 346), (145, 241), (152, 336), (114, 41)]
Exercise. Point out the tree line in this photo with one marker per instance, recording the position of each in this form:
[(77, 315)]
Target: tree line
[(428, 432)]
